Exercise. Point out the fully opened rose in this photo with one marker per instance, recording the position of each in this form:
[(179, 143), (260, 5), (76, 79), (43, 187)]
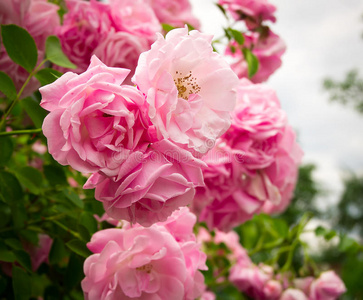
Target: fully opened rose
[(189, 89), (94, 123)]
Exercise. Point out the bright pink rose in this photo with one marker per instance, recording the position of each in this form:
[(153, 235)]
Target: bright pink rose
[(189, 88), (39, 254), (256, 281), (252, 11), (94, 123), (175, 12), (293, 294), (85, 26), (150, 184), (122, 50), (268, 49), (40, 19), (143, 263), (136, 17), (327, 287)]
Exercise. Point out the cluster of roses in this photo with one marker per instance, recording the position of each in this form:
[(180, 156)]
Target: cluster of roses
[(258, 38), (260, 281), (117, 31)]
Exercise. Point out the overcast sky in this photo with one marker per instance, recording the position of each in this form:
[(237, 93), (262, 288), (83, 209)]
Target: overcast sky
[(323, 39)]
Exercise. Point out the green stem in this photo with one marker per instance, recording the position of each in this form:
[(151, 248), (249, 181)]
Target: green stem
[(12, 104), (19, 132)]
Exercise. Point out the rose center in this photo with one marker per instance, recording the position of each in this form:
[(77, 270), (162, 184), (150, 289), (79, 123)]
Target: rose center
[(145, 268), (186, 85)]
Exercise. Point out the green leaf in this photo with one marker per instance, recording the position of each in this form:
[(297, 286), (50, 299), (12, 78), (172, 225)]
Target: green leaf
[(7, 256), (79, 247), (57, 252), (347, 244), (10, 188), (73, 197), (55, 175), (23, 258), (222, 9), (34, 110), (54, 53), (31, 178), (47, 76), (6, 149), (14, 243), (5, 214), (7, 86), (237, 35), (252, 62), (167, 27), (20, 46), (88, 221), (319, 231), (21, 284), (74, 272)]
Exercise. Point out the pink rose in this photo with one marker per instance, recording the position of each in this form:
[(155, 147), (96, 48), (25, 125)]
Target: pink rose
[(327, 287), (189, 88), (136, 17), (175, 12), (256, 281), (150, 184), (303, 284), (267, 48), (208, 295), (122, 50), (40, 19), (94, 123), (253, 11), (143, 263), (293, 294), (39, 253), (85, 25)]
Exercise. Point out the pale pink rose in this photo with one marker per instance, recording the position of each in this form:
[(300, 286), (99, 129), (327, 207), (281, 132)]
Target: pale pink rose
[(150, 184), (303, 284), (175, 12), (143, 263), (105, 217), (208, 295), (94, 123), (122, 50), (40, 19), (189, 88), (136, 17), (225, 201), (231, 240), (39, 254), (283, 173), (293, 294), (267, 48), (85, 26), (327, 287), (252, 11), (256, 281)]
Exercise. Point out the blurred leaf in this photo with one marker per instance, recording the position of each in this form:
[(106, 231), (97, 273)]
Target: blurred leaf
[(10, 188), (237, 36), (7, 86), (54, 53), (30, 235), (88, 220), (320, 231), (79, 247), (55, 175), (57, 251), (6, 149), (31, 178), (73, 197), (348, 244), (74, 272), (20, 46), (21, 284), (6, 255), (222, 9), (252, 62), (34, 110), (5, 214), (23, 259), (52, 292), (47, 76), (14, 243), (167, 27), (84, 233)]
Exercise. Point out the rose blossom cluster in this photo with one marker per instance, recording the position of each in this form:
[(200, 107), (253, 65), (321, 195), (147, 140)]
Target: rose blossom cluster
[(117, 31), (254, 165), (261, 282), (143, 143), (259, 38), (40, 19), (162, 261)]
